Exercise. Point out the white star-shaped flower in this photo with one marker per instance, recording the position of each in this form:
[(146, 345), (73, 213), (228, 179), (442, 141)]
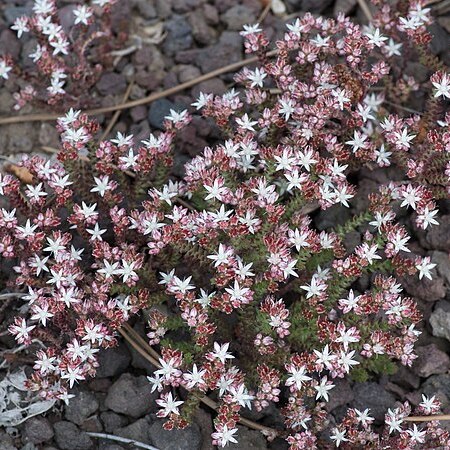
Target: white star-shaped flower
[(425, 267)]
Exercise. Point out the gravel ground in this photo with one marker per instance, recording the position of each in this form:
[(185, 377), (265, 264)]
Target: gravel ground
[(202, 36)]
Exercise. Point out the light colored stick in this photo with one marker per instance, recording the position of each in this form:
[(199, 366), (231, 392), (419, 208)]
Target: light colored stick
[(264, 12), (363, 5), (142, 101), (427, 418), (112, 437), (116, 115), (11, 295)]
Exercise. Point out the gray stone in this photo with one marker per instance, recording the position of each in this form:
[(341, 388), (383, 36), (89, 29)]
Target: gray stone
[(395, 389), (92, 424), (113, 361), (205, 423), (179, 35), (351, 241), (360, 202), (249, 439), (331, 217), (163, 8), (430, 361), (11, 13), (441, 39), (344, 6), (223, 5), (69, 437), (210, 13), (203, 126), (201, 31), (213, 86), (187, 72), (425, 289), (444, 22), (178, 165), (18, 137), (188, 439), (112, 421), (121, 15), (417, 70), (139, 431), (170, 80), (48, 135), (150, 57), (373, 396), (141, 131), (106, 446), (9, 44), (38, 430), (80, 407), (405, 378), (129, 71), (146, 9), (137, 92), (100, 384), (158, 110), (6, 102), (148, 80), (238, 16), (228, 50), (28, 47), (438, 237), (131, 396), (438, 385), (6, 442), (315, 6), (66, 17), (192, 143), (442, 260), (138, 113), (183, 6), (111, 83), (440, 320), (340, 395)]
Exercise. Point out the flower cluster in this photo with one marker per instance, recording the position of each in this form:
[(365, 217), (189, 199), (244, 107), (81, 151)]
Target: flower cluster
[(65, 61), (246, 299), (73, 303)]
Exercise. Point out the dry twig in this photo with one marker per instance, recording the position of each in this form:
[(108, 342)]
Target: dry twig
[(116, 115), (365, 7), (427, 418), (264, 12), (113, 437), (9, 295), (142, 101)]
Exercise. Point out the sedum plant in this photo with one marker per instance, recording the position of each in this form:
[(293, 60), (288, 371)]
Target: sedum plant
[(68, 59), (247, 302)]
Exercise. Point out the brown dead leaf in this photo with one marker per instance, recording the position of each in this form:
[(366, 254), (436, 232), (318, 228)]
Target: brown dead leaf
[(22, 173)]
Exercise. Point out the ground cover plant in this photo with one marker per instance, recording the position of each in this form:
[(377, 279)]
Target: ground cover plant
[(69, 56), (246, 301)]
